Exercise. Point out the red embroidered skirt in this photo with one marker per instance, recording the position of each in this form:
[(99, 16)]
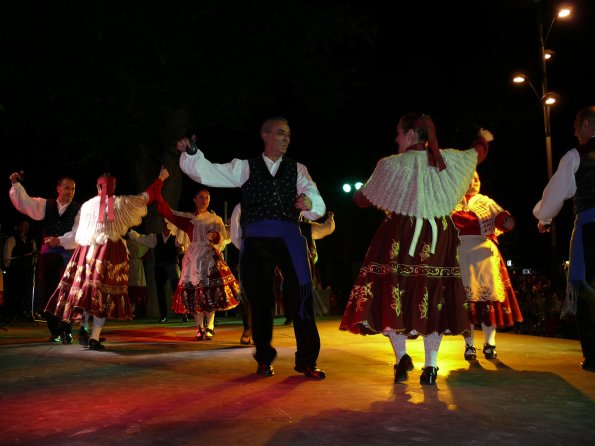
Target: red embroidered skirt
[(419, 294), (219, 293), (95, 281)]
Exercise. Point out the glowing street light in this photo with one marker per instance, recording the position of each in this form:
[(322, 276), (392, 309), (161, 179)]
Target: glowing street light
[(347, 188)]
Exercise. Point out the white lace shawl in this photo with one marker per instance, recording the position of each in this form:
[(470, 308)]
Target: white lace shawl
[(407, 185), (128, 211)]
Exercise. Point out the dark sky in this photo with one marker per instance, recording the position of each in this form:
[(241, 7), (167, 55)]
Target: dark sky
[(111, 85)]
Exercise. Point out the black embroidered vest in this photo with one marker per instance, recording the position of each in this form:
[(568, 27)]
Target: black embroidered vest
[(265, 197), (55, 224), (584, 198)]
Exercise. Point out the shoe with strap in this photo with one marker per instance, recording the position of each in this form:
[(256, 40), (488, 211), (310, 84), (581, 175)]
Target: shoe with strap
[(209, 334), (405, 365), (489, 351), (428, 375), (470, 353)]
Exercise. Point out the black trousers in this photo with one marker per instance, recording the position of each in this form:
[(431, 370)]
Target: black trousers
[(258, 260), (585, 310), (51, 267)]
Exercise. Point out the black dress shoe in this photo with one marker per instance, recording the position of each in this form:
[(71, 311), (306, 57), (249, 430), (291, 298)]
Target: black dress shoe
[(405, 365), (588, 364), (55, 339), (96, 345), (428, 375), (311, 372), (66, 338), (265, 370)]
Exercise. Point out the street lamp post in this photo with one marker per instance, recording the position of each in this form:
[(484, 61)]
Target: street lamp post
[(547, 99)]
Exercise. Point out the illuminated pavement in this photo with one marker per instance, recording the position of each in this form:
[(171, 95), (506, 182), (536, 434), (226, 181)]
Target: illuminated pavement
[(155, 385)]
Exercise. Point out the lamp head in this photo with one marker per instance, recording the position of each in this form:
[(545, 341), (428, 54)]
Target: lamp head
[(519, 78), (550, 98)]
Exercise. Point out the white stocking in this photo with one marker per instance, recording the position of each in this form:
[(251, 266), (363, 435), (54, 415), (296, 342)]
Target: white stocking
[(398, 341), (489, 334), (199, 317), (431, 346), (97, 326), (469, 340)]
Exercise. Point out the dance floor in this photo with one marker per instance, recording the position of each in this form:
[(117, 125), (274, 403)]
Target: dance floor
[(156, 385)]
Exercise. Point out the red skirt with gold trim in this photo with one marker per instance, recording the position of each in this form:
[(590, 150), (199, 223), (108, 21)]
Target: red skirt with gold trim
[(419, 294), (95, 281), (219, 293)]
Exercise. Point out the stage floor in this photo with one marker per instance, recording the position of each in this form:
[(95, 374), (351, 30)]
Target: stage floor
[(156, 385)]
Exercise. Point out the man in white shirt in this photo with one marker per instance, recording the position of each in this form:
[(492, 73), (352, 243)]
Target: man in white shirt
[(275, 190), (575, 178), (59, 219)]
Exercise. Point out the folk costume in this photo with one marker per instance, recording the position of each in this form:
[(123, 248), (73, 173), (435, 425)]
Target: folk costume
[(491, 299), (95, 281), (575, 178), (271, 238), (206, 283), (60, 221), (409, 282)]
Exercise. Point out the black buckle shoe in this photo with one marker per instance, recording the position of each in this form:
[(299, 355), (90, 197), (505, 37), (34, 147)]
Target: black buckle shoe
[(96, 345), (428, 375), (311, 372), (265, 370), (405, 365), (470, 353), (489, 351)]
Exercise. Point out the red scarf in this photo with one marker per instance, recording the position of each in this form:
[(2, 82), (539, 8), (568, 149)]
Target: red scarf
[(107, 184), (434, 156)]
